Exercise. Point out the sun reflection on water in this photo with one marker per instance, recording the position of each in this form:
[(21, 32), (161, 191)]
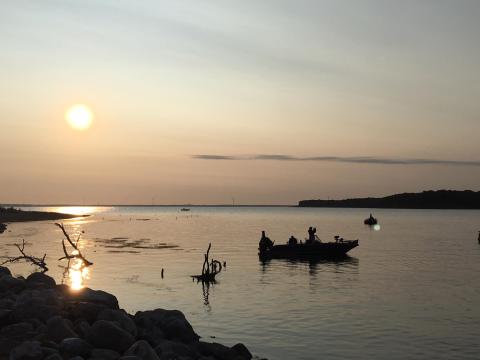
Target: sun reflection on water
[(79, 210), (78, 274)]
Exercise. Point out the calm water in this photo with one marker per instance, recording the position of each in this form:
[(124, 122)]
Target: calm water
[(410, 290)]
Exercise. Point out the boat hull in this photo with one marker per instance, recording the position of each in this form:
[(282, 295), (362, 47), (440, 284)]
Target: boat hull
[(315, 250)]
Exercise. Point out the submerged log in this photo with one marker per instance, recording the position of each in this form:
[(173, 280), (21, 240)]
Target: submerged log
[(210, 269)]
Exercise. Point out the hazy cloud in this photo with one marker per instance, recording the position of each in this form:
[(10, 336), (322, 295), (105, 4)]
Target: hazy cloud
[(356, 159)]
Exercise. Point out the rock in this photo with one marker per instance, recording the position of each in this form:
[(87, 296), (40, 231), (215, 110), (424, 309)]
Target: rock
[(108, 335), (105, 354), (4, 271), (76, 358), (28, 350), (89, 296), (130, 358), (47, 351), (75, 347), (38, 279), (158, 324), (37, 304), (84, 310), (10, 283), (17, 329), (5, 317), (218, 351), (168, 348), (242, 350), (82, 328), (59, 329), (54, 357), (122, 318), (143, 350)]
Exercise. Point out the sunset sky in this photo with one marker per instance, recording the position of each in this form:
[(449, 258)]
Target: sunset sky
[(267, 102)]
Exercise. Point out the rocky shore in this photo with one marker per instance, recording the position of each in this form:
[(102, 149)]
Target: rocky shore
[(42, 320)]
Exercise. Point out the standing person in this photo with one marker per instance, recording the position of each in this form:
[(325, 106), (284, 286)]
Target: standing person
[(311, 235), (265, 243), (479, 237)]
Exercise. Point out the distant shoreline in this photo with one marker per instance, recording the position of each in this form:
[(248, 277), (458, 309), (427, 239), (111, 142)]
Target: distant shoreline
[(11, 215), (428, 200)]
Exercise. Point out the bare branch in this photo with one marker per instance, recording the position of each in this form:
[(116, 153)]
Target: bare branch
[(78, 254), (40, 262)]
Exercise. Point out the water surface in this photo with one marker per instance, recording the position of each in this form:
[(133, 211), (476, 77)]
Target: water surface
[(410, 290)]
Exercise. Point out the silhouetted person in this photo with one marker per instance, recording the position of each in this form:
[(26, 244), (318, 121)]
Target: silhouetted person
[(292, 241), (311, 235), (479, 237), (265, 243)]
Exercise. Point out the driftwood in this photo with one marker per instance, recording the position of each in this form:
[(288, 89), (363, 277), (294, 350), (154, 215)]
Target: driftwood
[(76, 253), (210, 268), (40, 262)]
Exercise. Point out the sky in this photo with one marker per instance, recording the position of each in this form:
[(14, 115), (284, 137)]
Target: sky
[(264, 102)]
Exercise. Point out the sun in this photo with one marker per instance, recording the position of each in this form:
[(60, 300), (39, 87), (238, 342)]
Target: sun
[(79, 117)]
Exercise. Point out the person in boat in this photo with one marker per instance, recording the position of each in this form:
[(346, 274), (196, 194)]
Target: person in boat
[(311, 236), (265, 243), (292, 241)]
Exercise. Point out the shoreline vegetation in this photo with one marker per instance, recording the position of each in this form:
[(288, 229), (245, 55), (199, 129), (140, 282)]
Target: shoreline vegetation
[(441, 199), (42, 320), (10, 214)]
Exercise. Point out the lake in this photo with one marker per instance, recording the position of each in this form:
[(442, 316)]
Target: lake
[(410, 290)]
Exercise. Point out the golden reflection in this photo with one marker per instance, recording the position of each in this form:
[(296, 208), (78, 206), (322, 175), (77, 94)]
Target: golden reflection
[(78, 274), (78, 210)]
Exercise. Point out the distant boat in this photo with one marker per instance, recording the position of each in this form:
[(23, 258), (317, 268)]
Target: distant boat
[(370, 221), (184, 209), (317, 249)]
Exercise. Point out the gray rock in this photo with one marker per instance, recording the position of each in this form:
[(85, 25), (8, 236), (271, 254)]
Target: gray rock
[(130, 358), (82, 328), (5, 317), (90, 296), (47, 351), (171, 323), (76, 358), (75, 347), (122, 318), (242, 350), (38, 279), (218, 351), (28, 350), (105, 354), (59, 329), (4, 271), (54, 357), (84, 310), (143, 350), (168, 348), (108, 335), (18, 329), (37, 304), (10, 283)]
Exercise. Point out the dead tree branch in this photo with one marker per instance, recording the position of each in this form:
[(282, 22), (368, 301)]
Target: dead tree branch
[(36, 261), (209, 269), (76, 254)]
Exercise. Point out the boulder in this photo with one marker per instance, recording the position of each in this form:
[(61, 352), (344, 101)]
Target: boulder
[(220, 352), (28, 350), (242, 350), (5, 317), (108, 335), (59, 329), (4, 271), (168, 348), (122, 318), (129, 357), (10, 283), (143, 350), (158, 324), (54, 357), (84, 310), (82, 328), (40, 280), (90, 296), (71, 347), (37, 304), (105, 354)]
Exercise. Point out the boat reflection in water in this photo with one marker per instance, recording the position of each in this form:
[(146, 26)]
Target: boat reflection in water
[(339, 265)]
